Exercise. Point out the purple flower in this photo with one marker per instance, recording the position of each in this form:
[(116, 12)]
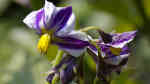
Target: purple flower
[(114, 47), (110, 53), (66, 70), (55, 25)]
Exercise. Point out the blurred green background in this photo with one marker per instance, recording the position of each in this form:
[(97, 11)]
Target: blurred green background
[(20, 63)]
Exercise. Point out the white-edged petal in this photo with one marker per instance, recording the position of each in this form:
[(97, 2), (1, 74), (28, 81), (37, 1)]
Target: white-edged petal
[(121, 45), (30, 19), (121, 39), (49, 10), (79, 35), (74, 52), (69, 26), (116, 60)]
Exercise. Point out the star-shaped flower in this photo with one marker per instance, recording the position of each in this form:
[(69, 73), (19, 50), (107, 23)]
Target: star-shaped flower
[(110, 53), (113, 47), (55, 25)]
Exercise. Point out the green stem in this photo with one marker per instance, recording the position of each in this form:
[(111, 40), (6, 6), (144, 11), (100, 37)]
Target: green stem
[(89, 28), (140, 7), (81, 72), (96, 80), (58, 58), (81, 81), (55, 79)]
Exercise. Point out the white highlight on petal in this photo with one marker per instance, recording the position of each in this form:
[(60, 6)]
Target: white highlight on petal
[(122, 44), (78, 35), (74, 52), (41, 23), (116, 60), (94, 51), (68, 27), (49, 9), (31, 18)]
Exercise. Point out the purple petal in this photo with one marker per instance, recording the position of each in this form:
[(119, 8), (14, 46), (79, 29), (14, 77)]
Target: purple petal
[(107, 38), (105, 49), (61, 18), (125, 50), (119, 40), (71, 43), (112, 58), (49, 12), (51, 17), (33, 19), (41, 18), (109, 54), (67, 74), (69, 26), (38, 19), (93, 49), (65, 60)]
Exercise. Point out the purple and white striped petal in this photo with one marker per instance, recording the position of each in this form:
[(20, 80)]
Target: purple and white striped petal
[(93, 49), (67, 74), (105, 51), (63, 21), (49, 12), (41, 18), (111, 58), (116, 60), (33, 20), (68, 26), (120, 40), (66, 70), (74, 43), (74, 52), (60, 19), (73, 46)]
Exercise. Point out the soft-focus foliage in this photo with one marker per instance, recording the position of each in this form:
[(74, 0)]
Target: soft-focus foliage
[(22, 64)]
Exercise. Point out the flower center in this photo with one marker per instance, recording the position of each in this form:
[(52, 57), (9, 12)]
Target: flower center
[(44, 42), (115, 51)]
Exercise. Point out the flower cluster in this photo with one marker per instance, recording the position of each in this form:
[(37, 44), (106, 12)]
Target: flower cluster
[(55, 26)]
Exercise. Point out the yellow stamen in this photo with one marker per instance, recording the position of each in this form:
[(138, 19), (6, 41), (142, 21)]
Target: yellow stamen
[(44, 42), (115, 51)]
